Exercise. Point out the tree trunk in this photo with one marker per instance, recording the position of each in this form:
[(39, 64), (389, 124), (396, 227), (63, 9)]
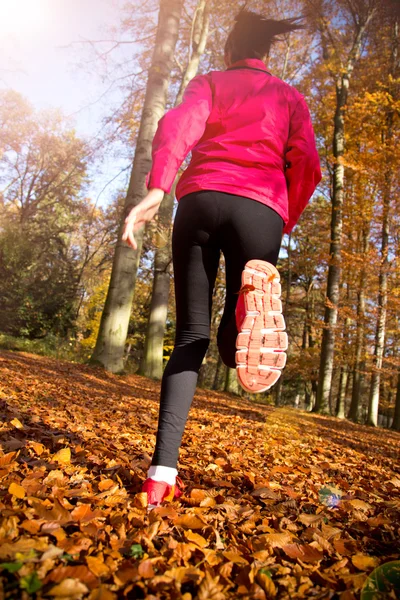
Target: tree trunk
[(396, 417), (359, 350), (373, 405), (152, 363), (217, 375), (114, 323), (279, 385), (333, 290), (231, 382)]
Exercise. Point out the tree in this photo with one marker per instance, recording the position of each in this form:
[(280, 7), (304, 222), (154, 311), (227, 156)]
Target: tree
[(114, 323), (353, 17), (152, 364)]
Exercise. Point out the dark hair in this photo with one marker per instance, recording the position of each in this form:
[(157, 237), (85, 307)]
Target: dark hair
[(253, 35)]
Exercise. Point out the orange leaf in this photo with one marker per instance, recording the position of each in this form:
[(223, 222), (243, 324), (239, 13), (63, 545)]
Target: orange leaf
[(210, 589), (304, 552), (196, 539), (145, 569), (16, 490), (101, 593), (63, 456), (106, 484), (84, 513), (364, 563), (69, 588), (97, 566), (190, 522), (235, 558), (6, 459)]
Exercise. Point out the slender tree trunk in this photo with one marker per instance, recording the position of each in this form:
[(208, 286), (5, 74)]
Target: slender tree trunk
[(373, 405), (114, 323), (333, 289), (219, 366), (341, 401), (359, 350), (152, 363), (396, 417), (231, 382), (279, 385)]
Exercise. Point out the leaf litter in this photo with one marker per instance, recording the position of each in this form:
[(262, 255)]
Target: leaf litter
[(277, 503)]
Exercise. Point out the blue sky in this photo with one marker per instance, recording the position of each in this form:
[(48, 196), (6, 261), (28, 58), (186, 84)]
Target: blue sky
[(39, 57)]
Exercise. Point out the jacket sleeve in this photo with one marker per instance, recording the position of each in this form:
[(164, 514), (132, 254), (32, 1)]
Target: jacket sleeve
[(303, 172), (178, 132)]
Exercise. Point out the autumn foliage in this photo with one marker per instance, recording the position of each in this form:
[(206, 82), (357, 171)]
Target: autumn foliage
[(276, 503)]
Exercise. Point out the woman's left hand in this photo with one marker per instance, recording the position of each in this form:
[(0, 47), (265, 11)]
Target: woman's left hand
[(141, 214)]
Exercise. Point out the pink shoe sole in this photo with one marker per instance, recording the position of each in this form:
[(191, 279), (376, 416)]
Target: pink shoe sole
[(261, 341)]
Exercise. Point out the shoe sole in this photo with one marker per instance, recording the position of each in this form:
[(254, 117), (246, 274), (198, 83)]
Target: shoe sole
[(261, 341)]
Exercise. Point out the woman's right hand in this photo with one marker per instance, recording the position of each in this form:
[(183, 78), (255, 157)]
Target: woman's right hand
[(141, 214)]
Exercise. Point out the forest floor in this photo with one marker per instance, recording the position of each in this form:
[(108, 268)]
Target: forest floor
[(278, 503)]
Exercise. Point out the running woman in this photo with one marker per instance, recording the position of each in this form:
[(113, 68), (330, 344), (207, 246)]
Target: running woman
[(253, 169)]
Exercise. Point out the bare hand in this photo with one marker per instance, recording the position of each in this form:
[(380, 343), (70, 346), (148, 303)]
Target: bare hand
[(141, 214)]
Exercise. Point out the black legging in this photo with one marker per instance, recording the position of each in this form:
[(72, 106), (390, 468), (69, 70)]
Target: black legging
[(207, 223)]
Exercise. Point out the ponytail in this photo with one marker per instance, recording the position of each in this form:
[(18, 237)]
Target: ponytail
[(252, 35)]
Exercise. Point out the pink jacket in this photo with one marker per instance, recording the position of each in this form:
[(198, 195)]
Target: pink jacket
[(250, 134)]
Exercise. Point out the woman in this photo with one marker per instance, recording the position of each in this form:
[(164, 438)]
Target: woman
[(253, 169)]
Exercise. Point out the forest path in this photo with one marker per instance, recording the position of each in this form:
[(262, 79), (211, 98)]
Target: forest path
[(277, 502)]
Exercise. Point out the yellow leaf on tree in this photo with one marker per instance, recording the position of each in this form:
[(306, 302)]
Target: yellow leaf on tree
[(16, 490), (63, 456)]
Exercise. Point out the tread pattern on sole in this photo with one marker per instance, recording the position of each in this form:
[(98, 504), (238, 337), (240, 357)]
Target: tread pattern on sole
[(261, 341)]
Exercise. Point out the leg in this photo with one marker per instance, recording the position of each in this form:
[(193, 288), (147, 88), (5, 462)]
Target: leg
[(249, 230), (196, 259)]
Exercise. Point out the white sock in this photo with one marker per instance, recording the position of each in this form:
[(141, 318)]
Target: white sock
[(160, 473)]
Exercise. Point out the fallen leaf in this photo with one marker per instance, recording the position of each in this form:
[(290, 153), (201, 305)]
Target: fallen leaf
[(364, 562), (16, 490), (71, 589)]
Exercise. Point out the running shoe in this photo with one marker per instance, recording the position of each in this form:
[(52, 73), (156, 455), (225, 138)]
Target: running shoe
[(261, 341), (159, 492)]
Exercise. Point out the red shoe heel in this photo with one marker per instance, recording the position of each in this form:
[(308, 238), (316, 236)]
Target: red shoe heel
[(261, 340)]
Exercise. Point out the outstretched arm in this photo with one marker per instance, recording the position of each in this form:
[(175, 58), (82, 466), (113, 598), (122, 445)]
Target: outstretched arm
[(303, 172), (178, 132)]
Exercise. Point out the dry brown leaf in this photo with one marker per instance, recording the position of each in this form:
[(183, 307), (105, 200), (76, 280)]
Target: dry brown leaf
[(106, 484), (63, 456), (16, 490), (236, 558), (305, 552), (266, 583), (196, 538), (71, 589), (364, 562), (310, 520), (102, 593), (210, 589), (84, 513), (276, 540), (190, 522), (7, 459), (97, 566)]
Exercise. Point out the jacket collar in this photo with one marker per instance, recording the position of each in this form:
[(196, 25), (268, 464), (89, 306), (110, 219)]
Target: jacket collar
[(250, 63)]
